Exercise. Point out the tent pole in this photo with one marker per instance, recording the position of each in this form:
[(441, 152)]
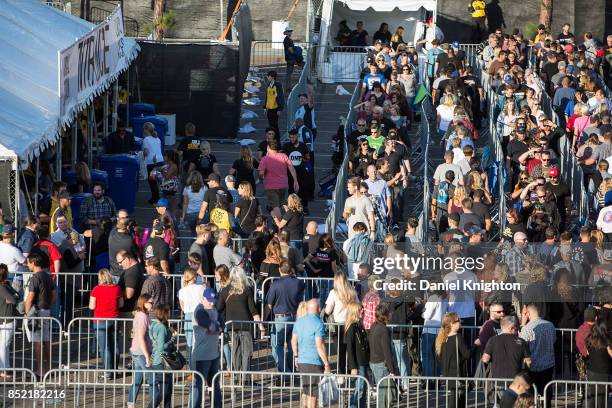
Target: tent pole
[(127, 105), (115, 105), (73, 150), (36, 185), (105, 115), (58, 157), (91, 123)]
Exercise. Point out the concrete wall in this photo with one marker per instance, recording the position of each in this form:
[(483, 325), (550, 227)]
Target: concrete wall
[(202, 18), (583, 15)]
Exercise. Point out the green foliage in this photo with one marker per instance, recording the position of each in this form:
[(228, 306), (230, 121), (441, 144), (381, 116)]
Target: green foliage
[(167, 21), (530, 31)]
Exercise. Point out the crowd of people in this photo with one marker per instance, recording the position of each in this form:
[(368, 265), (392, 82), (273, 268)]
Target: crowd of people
[(294, 284)]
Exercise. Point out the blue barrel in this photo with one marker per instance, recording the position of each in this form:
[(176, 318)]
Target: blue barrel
[(75, 204), (99, 176), (69, 177), (136, 110), (123, 171), (160, 123)]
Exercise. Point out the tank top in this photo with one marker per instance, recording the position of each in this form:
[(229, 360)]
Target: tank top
[(271, 94)]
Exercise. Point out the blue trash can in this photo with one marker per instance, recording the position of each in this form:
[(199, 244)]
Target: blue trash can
[(136, 110), (161, 126), (123, 171), (69, 177), (75, 204)]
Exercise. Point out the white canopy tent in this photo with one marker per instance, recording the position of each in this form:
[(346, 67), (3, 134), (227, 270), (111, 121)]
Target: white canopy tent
[(340, 66), (31, 35)]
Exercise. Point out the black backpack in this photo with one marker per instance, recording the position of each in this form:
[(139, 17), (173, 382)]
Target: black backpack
[(362, 340)]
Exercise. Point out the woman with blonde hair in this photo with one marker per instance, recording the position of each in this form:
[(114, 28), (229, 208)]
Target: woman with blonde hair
[(293, 221), (105, 300), (598, 238), (355, 338), (581, 122), (244, 167), (193, 196), (445, 114), (206, 163), (453, 355), (455, 204), (83, 177), (246, 211), (339, 297), (189, 298)]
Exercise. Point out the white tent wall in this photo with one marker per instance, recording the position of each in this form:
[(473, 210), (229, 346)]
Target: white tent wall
[(9, 185), (406, 13)]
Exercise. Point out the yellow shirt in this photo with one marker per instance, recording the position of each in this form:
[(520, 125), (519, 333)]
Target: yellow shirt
[(220, 218), (271, 97), (479, 8)]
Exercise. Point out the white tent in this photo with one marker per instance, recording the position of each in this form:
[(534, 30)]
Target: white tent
[(31, 34), (409, 14)]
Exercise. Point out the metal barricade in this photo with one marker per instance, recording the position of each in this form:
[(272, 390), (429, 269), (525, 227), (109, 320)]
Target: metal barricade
[(267, 54), (104, 343), (568, 394), (339, 63), (271, 389), (460, 392), (293, 102), (32, 343), (19, 388), (314, 288), (102, 388), (245, 346), (424, 135)]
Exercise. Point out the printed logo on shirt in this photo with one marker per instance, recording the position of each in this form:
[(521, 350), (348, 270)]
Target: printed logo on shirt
[(148, 253), (296, 158), (194, 144)]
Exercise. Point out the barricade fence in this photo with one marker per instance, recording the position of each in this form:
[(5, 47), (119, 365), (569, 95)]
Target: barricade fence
[(424, 134), (426, 392), (339, 63), (18, 387), (568, 394), (267, 54), (146, 387), (271, 389), (293, 102)]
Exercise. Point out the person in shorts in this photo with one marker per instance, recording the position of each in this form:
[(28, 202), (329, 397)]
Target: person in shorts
[(41, 295), (309, 352), (273, 170)]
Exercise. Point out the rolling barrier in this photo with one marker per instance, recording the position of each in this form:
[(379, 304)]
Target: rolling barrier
[(271, 389), (575, 394), (426, 392)]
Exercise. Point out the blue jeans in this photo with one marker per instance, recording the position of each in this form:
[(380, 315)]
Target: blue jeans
[(138, 363), (208, 369), (296, 243), (384, 394), (281, 333), (325, 286), (428, 359), (400, 357), (189, 333), (56, 308), (162, 388), (359, 396), (107, 343), (227, 350)]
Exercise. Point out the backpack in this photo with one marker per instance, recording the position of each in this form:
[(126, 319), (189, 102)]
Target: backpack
[(362, 340), (443, 193)]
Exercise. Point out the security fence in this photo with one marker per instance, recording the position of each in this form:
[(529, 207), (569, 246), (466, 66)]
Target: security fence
[(266, 54), (574, 394)]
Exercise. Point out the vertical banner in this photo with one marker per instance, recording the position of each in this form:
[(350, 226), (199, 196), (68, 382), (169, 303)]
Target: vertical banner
[(89, 65)]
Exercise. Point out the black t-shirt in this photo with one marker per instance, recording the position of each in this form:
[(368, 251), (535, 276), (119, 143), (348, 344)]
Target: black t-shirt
[(561, 191), (158, 248), (482, 210), (263, 148), (295, 224), (508, 399), (297, 154), (599, 362), (190, 146), (42, 286), (310, 243), (323, 259), (357, 136), (362, 161), (288, 43), (550, 69), (442, 60), (211, 196), (512, 229), (395, 158), (131, 278), (516, 149), (243, 172), (358, 38), (237, 307), (466, 218), (507, 353), (384, 37), (258, 242), (249, 209), (204, 164)]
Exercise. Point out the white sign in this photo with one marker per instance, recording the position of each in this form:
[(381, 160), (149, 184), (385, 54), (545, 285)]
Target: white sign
[(90, 63)]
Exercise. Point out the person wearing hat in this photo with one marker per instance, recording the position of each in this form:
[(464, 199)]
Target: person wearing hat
[(205, 355), (63, 209), (540, 35), (344, 34), (359, 36), (479, 15), (210, 197), (293, 56), (300, 156), (10, 255), (561, 192)]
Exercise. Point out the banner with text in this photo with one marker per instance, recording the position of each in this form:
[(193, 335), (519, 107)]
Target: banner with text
[(88, 66)]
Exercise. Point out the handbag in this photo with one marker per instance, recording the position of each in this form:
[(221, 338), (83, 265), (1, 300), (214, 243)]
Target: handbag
[(173, 360), (329, 392)]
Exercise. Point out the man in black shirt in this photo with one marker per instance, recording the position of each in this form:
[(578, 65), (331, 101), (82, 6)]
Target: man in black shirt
[(481, 209), (189, 148), (359, 37), (520, 385), (361, 133), (120, 239), (210, 197), (130, 281), (120, 141), (561, 193), (397, 155), (506, 352), (515, 149), (262, 149), (293, 55), (301, 159), (156, 247)]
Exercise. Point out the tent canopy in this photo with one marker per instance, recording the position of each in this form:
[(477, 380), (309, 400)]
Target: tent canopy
[(390, 5), (31, 34)]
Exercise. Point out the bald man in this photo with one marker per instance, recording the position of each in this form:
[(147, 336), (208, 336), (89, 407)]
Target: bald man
[(309, 353)]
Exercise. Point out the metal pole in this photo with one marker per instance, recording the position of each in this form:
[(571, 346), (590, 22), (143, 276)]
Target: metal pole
[(127, 104), (91, 123), (309, 15), (105, 116), (36, 185), (115, 105), (58, 158), (73, 150), (222, 22)]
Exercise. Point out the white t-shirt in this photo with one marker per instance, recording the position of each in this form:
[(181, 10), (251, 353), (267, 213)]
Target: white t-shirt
[(11, 256), (194, 200), (153, 146), (362, 207), (441, 170), (604, 219), (461, 300), (446, 116), (336, 307), (433, 313), (190, 296)]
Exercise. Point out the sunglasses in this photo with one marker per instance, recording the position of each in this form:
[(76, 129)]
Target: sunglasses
[(541, 196), (361, 124)]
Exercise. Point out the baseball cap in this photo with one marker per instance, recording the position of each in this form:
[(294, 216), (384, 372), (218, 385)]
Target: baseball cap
[(9, 229), (378, 42), (210, 294), (230, 179), (370, 60), (570, 68), (64, 194), (162, 202), (288, 28), (554, 172), (569, 48), (455, 44), (475, 229), (213, 177)]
